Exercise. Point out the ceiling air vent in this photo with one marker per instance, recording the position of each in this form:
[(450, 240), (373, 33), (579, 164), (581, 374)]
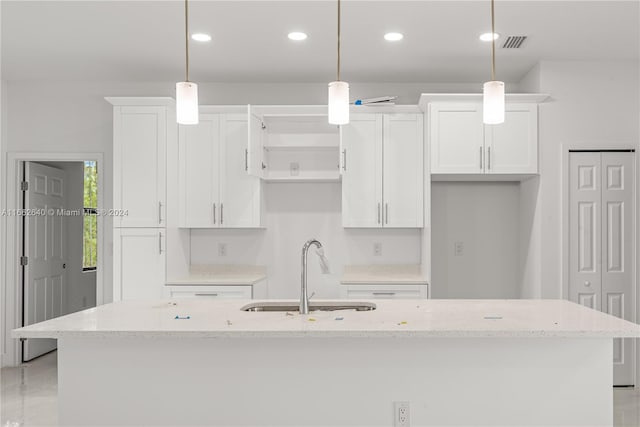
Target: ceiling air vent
[(514, 42)]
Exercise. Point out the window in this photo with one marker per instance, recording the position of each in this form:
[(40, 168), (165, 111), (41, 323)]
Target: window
[(90, 231)]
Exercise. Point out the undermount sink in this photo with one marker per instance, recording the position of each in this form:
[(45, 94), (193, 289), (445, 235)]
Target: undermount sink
[(281, 306)]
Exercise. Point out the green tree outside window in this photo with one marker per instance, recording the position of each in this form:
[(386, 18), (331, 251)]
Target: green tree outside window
[(90, 232)]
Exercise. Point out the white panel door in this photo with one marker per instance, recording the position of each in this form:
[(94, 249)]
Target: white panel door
[(255, 144), (601, 251), (45, 247), (456, 135), (199, 169), (403, 176), (139, 158), (361, 142), (239, 192), (618, 264), (138, 263), (585, 233), (512, 147)]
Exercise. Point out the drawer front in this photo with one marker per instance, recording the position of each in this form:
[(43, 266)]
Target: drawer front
[(384, 291), (211, 292)]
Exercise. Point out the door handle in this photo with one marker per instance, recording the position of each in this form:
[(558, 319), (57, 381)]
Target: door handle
[(221, 213), (378, 213), (159, 212), (489, 158), (160, 243), (390, 294), (344, 160), (481, 153), (214, 213), (246, 159)]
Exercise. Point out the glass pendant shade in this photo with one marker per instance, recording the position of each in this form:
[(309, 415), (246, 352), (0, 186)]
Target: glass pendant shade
[(187, 103), (338, 103), (493, 102)]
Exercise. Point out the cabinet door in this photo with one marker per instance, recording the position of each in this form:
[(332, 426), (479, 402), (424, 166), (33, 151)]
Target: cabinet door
[(138, 263), (255, 144), (456, 138), (239, 192), (512, 147), (199, 168), (139, 160), (403, 170), (361, 142)]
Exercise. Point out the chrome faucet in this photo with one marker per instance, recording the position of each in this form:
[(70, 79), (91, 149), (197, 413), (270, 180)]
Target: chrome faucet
[(324, 265)]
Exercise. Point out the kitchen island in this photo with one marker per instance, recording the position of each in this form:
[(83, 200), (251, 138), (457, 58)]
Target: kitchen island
[(456, 362)]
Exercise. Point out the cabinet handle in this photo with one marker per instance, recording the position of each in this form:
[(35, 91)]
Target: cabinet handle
[(160, 243), (489, 158), (246, 159), (344, 160), (481, 153), (378, 213), (386, 213), (159, 212), (206, 295), (221, 213), (214, 213), (384, 293)]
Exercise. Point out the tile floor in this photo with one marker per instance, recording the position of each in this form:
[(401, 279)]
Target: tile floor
[(28, 396)]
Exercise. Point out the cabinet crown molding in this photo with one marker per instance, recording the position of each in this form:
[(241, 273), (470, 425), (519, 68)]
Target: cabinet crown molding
[(140, 101), (427, 98)]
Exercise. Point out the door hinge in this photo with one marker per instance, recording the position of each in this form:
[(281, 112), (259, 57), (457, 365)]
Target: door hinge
[(24, 186), (24, 260)]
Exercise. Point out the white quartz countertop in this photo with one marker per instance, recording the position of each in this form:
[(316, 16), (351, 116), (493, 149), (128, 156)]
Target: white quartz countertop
[(388, 274), (392, 318), (221, 275)]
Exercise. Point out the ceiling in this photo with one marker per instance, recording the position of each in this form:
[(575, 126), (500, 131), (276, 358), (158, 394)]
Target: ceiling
[(143, 40)]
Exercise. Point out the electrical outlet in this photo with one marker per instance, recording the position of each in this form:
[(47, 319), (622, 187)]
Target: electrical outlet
[(401, 414), (377, 249), (222, 249), (294, 168), (458, 248)]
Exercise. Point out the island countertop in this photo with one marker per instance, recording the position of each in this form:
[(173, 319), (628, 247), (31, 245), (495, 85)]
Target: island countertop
[(391, 318)]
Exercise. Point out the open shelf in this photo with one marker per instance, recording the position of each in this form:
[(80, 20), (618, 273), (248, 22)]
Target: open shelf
[(311, 176)]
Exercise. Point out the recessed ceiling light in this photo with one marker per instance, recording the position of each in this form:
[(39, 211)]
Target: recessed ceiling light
[(487, 37), (393, 37), (297, 36), (201, 37)]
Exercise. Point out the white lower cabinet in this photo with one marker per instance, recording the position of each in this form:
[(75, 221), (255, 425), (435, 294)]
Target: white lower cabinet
[(255, 291), (384, 291), (139, 261)]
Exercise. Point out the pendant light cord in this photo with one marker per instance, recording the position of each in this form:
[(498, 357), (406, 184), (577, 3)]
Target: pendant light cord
[(186, 37), (339, 40), (493, 42)]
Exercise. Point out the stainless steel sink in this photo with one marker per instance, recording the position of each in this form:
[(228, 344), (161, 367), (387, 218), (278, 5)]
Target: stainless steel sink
[(283, 306)]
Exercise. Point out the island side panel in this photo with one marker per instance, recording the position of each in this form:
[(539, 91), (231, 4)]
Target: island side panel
[(335, 381)]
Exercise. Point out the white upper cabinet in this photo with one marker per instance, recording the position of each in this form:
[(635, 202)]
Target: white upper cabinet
[(512, 147), (216, 189), (198, 172), (456, 133), (139, 164), (461, 144), (362, 171), (403, 171), (382, 171)]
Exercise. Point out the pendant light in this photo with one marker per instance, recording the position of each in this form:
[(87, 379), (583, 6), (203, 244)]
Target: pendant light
[(339, 92), (493, 91), (186, 91)]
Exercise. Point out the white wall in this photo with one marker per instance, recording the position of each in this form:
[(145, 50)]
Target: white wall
[(81, 286), (485, 218), (592, 103), (294, 213)]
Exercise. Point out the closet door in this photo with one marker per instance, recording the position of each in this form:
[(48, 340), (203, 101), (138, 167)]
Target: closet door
[(585, 234), (618, 266)]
